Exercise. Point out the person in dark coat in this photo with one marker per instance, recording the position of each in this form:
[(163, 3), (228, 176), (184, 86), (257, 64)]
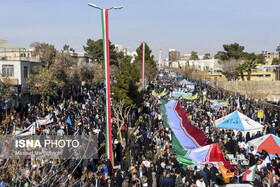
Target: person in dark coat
[(168, 181), (124, 164), (207, 171), (202, 173), (213, 173)]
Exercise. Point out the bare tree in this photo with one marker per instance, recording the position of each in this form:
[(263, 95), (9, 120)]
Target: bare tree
[(229, 68), (121, 113), (253, 90)]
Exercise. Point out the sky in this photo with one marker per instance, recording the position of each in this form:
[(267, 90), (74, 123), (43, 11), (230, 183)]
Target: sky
[(184, 25)]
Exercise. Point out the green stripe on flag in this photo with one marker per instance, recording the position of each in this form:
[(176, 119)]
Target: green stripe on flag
[(181, 153)]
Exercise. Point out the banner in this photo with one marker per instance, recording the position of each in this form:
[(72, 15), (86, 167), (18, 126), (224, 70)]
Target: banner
[(158, 95), (190, 98), (217, 104), (154, 93), (177, 94)]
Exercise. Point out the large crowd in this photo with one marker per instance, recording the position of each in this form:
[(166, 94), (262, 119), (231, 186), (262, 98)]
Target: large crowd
[(139, 160)]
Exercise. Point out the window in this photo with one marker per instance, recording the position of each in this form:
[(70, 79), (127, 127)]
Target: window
[(8, 70), (25, 72)]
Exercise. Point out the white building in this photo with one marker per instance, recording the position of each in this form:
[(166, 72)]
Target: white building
[(205, 65), (202, 65), (16, 64), (133, 54), (121, 48)]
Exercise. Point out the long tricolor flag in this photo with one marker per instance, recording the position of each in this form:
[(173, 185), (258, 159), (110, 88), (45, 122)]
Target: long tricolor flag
[(45, 121), (143, 64), (105, 31), (249, 174), (188, 141)]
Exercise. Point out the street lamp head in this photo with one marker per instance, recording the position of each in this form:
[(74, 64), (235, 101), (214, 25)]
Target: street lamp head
[(93, 5), (117, 7)]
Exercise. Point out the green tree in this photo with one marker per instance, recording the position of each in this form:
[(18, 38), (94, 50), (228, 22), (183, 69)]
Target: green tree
[(275, 61), (230, 59), (150, 64), (95, 49), (46, 52), (67, 48), (207, 56), (194, 55), (43, 83), (231, 51), (251, 63), (240, 69), (126, 88)]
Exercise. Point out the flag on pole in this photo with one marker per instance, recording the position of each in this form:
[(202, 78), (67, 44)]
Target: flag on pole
[(105, 173), (69, 121), (154, 93), (238, 103), (249, 174), (105, 32), (164, 145), (204, 99), (143, 64)]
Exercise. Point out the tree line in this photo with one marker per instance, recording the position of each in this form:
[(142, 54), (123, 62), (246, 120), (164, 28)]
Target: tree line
[(60, 74)]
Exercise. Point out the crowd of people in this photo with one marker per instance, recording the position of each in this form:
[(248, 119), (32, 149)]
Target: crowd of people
[(139, 159)]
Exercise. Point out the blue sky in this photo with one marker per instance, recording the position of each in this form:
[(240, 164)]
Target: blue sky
[(184, 25)]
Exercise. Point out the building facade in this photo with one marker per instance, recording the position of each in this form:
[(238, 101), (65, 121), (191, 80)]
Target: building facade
[(173, 56)]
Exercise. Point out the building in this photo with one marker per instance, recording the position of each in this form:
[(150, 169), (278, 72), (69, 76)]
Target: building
[(186, 57), (133, 54), (16, 64), (205, 65), (269, 56), (120, 48), (173, 55), (268, 68), (81, 58), (9, 51)]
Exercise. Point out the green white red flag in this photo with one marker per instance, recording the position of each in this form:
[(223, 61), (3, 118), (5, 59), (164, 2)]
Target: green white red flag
[(249, 174), (105, 31)]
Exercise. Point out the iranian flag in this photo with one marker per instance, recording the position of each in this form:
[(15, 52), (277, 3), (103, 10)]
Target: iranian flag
[(105, 31), (189, 141), (164, 146), (249, 174), (45, 121)]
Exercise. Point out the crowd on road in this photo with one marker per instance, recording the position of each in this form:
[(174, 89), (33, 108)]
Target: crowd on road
[(140, 160)]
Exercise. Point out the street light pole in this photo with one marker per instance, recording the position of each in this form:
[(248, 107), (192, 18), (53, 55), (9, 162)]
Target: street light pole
[(105, 33), (278, 50), (143, 45), (278, 69)]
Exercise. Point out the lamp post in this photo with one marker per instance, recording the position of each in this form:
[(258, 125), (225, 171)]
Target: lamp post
[(143, 45), (278, 50), (105, 32)]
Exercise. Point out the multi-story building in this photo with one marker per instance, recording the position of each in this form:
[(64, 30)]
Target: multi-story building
[(81, 58), (173, 56), (120, 48), (16, 64), (269, 56)]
